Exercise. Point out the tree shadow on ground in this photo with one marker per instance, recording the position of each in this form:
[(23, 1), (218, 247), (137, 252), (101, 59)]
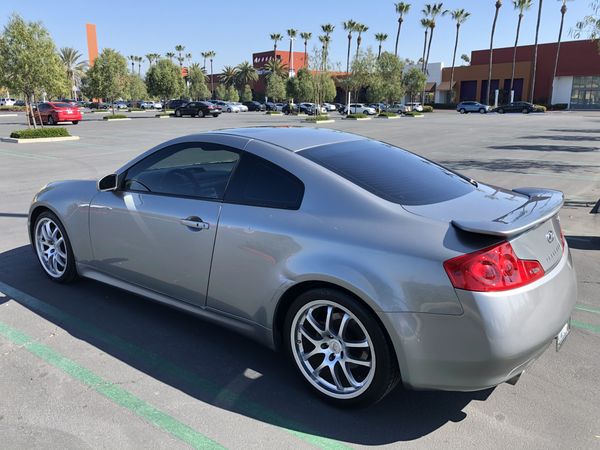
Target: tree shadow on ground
[(519, 166), (584, 242), (568, 138), (546, 148), (209, 363)]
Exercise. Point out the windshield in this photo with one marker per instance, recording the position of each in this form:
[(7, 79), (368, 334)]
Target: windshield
[(389, 172)]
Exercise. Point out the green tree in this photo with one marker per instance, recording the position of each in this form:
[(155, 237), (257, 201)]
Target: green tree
[(306, 36), (108, 77), (381, 38), (328, 30), (246, 74), (401, 9), (229, 76), (198, 89), (590, 24), (29, 63), (275, 37), (414, 82), (292, 87), (305, 86), (563, 11), (388, 80), (275, 88), (535, 49), (231, 94), (460, 16), (74, 66), (220, 92), (164, 80), (360, 29), (431, 12), (363, 72), (246, 94), (490, 63), (136, 88), (521, 6), (276, 67)]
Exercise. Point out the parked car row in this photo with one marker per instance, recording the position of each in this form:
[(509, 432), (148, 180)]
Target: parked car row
[(519, 107)]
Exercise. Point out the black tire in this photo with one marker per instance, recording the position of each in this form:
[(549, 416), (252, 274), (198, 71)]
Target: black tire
[(70, 272), (482, 111), (526, 111), (386, 375), (177, 113), (50, 120), (463, 111), (200, 113), (501, 111), (75, 122), (215, 115)]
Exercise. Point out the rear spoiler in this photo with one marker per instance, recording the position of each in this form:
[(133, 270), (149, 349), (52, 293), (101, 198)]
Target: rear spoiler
[(541, 206)]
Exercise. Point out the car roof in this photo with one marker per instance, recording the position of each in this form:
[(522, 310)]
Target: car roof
[(294, 139)]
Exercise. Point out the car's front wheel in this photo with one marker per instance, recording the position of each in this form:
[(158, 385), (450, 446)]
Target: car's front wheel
[(53, 248), (482, 111), (462, 110), (525, 111), (340, 348), (75, 122), (177, 113), (50, 120), (200, 113)]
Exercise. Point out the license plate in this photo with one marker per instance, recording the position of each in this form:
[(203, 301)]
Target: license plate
[(69, 111), (562, 335)]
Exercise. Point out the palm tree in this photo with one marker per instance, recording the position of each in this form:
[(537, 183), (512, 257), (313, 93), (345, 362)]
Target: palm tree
[(535, 51), (381, 38), (211, 55), (327, 29), (188, 56), (350, 27), (150, 58), (276, 67), (132, 59), (522, 6), (246, 74), (460, 16), (275, 37), (425, 24), (360, 28), (489, 83), (465, 58), (170, 55), (74, 67), (228, 76), (180, 49), (292, 35), (402, 9), (180, 60), (139, 60), (305, 35), (204, 55), (563, 11), (432, 11)]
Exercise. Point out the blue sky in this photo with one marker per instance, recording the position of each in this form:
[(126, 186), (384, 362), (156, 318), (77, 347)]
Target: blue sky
[(236, 28)]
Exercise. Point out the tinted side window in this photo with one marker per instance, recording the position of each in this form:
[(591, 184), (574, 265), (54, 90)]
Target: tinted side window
[(198, 169), (258, 182), (390, 172)]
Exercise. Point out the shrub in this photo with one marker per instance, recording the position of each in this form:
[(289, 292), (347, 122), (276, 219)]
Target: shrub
[(273, 113), (559, 106), (427, 109), (12, 108), (387, 114), (318, 118), (136, 109), (539, 108), (40, 133), (357, 116), (115, 116)]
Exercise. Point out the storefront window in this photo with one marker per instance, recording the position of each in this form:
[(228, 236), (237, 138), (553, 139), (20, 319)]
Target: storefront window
[(585, 93)]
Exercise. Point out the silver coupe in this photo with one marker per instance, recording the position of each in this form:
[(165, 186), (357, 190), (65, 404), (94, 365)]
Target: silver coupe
[(367, 264)]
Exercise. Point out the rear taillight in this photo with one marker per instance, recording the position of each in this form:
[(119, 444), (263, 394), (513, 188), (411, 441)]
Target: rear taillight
[(494, 268)]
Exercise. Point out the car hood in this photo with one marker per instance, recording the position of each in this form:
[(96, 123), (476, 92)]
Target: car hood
[(495, 211)]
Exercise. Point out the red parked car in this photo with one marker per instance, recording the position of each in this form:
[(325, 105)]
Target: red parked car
[(54, 112)]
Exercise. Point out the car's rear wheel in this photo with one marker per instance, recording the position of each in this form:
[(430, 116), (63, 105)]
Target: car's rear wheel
[(525, 111), (482, 111), (215, 115), (75, 122), (501, 111), (463, 110), (340, 348), (177, 113), (200, 113), (50, 120), (53, 248)]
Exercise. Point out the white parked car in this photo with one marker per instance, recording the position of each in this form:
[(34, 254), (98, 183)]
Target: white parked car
[(243, 108), (329, 106), (158, 105), (415, 106), (227, 106), (146, 105), (398, 108), (7, 102), (361, 108)]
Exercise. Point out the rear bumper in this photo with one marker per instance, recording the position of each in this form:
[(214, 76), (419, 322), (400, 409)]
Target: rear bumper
[(498, 336)]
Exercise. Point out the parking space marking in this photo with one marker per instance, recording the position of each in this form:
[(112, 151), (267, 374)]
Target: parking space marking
[(248, 407), (587, 309), (585, 326), (26, 155), (109, 390)]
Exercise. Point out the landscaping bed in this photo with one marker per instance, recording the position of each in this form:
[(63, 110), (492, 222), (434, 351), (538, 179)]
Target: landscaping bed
[(116, 117), (40, 135), (322, 118)]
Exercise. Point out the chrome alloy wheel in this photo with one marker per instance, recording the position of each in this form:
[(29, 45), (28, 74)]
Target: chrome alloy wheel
[(51, 247), (333, 349)]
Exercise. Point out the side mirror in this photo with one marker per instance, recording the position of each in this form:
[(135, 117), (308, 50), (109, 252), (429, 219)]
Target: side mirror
[(108, 183)]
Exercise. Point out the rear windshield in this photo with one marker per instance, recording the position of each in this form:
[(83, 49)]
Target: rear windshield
[(63, 105), (390, 172)]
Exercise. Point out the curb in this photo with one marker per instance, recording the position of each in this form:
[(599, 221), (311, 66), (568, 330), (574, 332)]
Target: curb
[(389, 118), (357, 118), (8, 115), (106, 119), (319, 121), (39, 140)]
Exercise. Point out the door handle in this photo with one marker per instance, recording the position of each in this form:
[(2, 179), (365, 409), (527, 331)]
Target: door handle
[(196, 223)]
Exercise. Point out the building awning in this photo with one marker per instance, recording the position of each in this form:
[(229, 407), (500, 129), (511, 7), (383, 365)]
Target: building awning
[(429, 87), (445, 86)]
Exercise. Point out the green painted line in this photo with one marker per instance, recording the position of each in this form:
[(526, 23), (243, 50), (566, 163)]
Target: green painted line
[(26, 155), (111, 391), (585, 326), (587, 309), (158, 363)]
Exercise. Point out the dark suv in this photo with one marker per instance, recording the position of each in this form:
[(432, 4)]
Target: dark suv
[(254, 106), (200, 109), (174, 104)]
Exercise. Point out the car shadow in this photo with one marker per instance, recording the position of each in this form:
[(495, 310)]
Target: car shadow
[(567, 130), (584, 242), (216, 366)]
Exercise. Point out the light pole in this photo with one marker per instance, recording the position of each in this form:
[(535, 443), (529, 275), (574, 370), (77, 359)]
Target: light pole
[(291, 73)]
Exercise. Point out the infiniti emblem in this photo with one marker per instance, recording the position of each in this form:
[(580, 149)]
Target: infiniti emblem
[(550, 236)]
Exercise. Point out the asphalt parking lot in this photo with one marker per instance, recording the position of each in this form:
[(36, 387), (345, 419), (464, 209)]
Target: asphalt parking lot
[(89, 366)]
